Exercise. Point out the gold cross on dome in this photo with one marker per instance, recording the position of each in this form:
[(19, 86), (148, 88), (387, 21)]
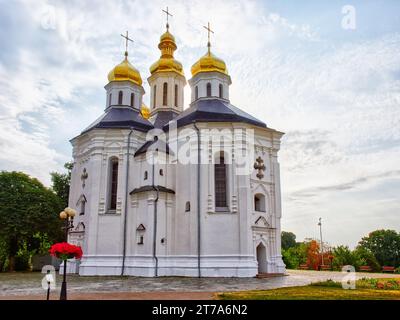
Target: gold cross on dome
[(168, 15), (126, 42), (259, 165), (208, 28)]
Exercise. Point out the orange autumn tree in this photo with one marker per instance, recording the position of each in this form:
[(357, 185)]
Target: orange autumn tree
[(313, 256)]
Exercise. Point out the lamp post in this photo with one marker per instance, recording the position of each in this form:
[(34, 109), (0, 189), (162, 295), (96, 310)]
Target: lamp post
[(322, 244), (68, 215)]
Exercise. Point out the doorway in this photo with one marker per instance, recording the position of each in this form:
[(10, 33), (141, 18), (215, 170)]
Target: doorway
[(262, 258)]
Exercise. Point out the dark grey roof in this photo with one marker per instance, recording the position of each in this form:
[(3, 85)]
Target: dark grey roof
[(151, 188), (163, 117), (214, 110), (121, 118), (156, 145)]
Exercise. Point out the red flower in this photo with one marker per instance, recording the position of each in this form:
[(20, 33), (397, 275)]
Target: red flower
[(380, 285), (64, 251)]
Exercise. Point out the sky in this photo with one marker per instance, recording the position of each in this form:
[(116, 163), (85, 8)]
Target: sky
[(327, 73)]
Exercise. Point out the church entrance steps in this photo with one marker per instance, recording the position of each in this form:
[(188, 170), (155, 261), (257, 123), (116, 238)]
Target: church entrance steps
[(268, 275)]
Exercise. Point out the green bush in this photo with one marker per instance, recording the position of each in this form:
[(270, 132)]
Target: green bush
[(3, 255), (327, 283), (344, 256), (23, 258), (41, 243), (367, 258), (295, 256)]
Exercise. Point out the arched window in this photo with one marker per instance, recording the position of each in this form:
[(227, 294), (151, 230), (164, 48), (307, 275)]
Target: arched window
[(259, 202), (176, 96), (221, 91), (140, 234), (113, 184), (120, 96), (109, 99), (132, 100), (145, 175), (196, 93), (165, 94), (187, 206), (208, 89), (220, 183), (81, 204), (154, 96)]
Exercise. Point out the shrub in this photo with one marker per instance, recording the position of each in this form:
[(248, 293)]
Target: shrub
[(3, 255), (41, 243), (295, 256), (367, 258), (23, 258), (327, 283), (344, 256)]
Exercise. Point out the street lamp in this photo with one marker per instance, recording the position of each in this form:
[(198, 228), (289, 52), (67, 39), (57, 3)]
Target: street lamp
[(322, 244), (68, 215)]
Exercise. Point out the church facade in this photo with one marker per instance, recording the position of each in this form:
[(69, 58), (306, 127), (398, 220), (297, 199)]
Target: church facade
[(174, 191)]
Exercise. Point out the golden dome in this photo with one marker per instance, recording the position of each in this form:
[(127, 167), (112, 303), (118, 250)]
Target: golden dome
[(167, 62), (125, 72), (209, 63)]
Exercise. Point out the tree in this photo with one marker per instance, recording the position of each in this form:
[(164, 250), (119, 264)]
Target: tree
[(27, 207), (313, 256), (367, 258), (384, 245), (294, 256), (343, 256), (61, 183), (288, 240)]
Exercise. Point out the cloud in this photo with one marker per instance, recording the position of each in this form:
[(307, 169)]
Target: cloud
[(346, 186)]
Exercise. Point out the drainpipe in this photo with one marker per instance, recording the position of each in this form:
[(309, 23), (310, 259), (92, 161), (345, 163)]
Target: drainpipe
[(198, 199), (128, 146), (155, 219)]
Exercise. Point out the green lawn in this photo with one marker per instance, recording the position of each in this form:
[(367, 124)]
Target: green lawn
[(366, 289)]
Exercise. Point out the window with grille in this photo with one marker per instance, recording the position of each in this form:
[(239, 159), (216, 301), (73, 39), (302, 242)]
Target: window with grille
[(132, 100), (220, 183), (165, 94), (176, 95), (154, 96), (113, 183), (208, 89)]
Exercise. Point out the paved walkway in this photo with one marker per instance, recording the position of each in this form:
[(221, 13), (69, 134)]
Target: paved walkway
[(28, 285)]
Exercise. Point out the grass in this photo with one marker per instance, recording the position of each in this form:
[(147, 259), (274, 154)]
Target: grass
[(366, 289)]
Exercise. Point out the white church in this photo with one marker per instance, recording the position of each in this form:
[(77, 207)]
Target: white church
[(176, 190)]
